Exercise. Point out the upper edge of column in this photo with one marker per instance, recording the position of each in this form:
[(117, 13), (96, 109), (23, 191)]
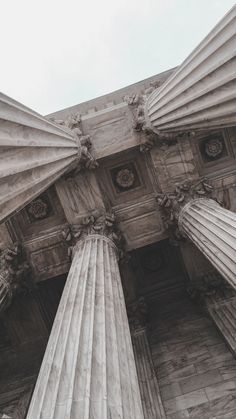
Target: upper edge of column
[(177, 106), (185, 208), (99, 224)]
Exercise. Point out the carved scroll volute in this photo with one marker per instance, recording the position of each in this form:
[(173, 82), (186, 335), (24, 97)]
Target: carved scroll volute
[(14, 275)]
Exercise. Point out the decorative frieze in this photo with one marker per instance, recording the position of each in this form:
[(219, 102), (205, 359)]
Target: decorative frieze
[(14, 275)]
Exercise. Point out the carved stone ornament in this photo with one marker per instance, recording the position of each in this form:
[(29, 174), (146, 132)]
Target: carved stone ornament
[(98, 222), (14, 274), (125, 178), (214, 147), (211, 288), (38, 209), (137, 315), (172, 203), (149, 138), (85, 159)]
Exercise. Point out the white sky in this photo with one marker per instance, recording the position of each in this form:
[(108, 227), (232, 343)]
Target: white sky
[(57, 53)]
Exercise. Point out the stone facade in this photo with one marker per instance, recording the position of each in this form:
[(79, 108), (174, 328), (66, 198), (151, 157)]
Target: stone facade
[(132, 196)]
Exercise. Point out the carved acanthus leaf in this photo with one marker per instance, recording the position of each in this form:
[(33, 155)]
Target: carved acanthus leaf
[(210, 288), (98, 222), (149, 138), (85, 159), (14, 274), (171, 203)]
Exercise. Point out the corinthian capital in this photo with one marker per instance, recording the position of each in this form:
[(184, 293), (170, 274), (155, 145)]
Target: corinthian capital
[(85, 160), (14, 274), (97, 223), (172, 203)]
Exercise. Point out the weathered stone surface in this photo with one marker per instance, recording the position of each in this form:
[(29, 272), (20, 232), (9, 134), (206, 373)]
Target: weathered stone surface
[(88, 368), (213, 230), (191, 361), (34, 153), (189, 100)]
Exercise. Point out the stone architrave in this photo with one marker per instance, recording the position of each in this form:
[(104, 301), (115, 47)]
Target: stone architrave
[(149, 388), (201, 93), (34, 153), (219, 299), (209, 226), (13, 275), (88, 371)]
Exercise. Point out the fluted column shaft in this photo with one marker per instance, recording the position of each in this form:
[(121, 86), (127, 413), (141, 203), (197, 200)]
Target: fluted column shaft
[(223, 313), (149, 388), (200, 94), (213, 230), (34, 153), (88, 371)]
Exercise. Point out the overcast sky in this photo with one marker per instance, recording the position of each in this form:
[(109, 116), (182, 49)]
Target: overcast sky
[(55, 53)]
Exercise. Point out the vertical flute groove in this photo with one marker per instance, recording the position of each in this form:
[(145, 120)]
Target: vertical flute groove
[(89, 364)]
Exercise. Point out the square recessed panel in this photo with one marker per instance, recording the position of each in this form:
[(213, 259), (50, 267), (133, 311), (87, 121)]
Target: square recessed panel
[(213, 147), (125, 177), (39, 209)]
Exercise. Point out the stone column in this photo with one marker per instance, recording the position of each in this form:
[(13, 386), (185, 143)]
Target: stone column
[(200, 94), (213, 230), (88, 371), (13, 275), (219, 299), (34, 153), (188, 212), (149, 388)]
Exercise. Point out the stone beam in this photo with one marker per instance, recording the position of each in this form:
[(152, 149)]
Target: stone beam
[(34, 153), (201, 93)]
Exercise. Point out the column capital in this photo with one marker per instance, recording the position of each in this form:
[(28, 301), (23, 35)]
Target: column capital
[(173, 203), (85, 159), (148, 137), (14, 274), (97, 224), (137, 315), (211, 288)]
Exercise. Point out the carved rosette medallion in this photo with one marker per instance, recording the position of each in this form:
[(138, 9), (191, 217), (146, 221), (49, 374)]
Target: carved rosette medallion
[(214, 147), (38, 209), (125, 178)]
